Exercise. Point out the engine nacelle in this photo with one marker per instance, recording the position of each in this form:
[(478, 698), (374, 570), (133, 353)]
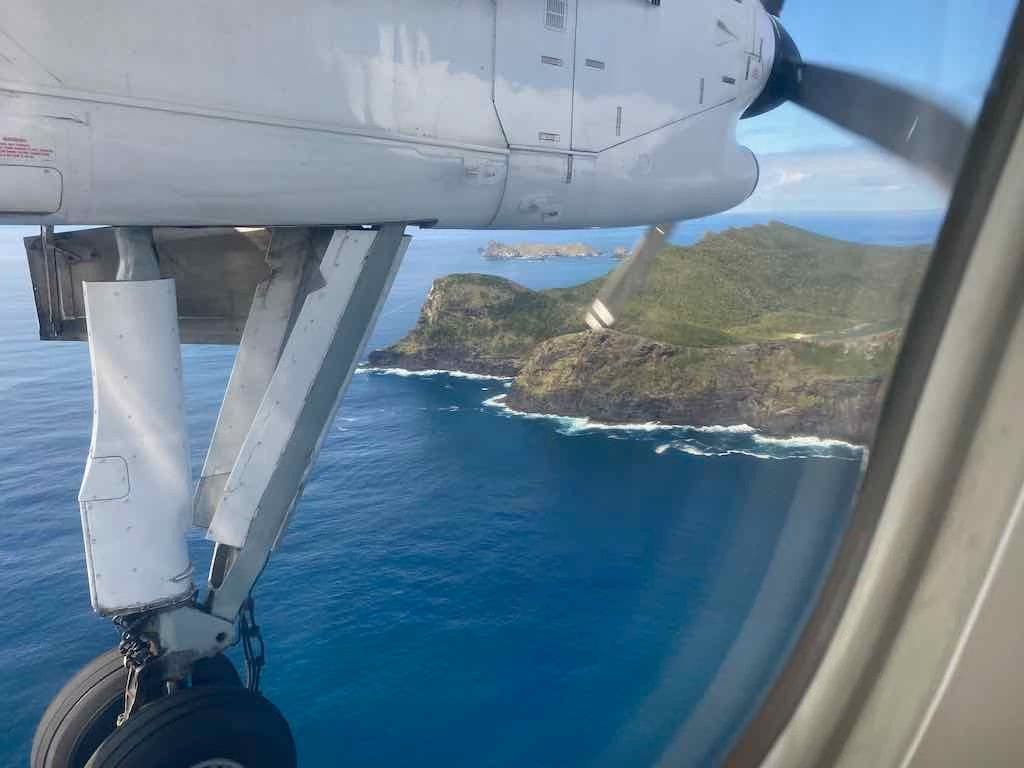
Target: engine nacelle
[(475, 114)]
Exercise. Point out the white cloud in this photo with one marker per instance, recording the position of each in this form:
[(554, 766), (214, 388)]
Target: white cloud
[(843, 179), (790, 176)]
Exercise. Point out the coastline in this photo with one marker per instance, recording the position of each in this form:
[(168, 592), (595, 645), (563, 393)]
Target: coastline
[(428, 372), (583, 424), (782, 329)]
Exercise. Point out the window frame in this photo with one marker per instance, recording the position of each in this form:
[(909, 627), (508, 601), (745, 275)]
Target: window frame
[(959, 245)]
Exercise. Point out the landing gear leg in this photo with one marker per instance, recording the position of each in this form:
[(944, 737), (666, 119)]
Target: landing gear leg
[(306, 329), (329, 333)]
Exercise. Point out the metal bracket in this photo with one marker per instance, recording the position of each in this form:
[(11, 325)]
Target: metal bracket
[(343, 297), (270, 318), (215, 269), (137, 259), (185, 634)]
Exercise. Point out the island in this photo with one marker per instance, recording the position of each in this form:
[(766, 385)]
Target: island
[(784, 330), (537, 251)]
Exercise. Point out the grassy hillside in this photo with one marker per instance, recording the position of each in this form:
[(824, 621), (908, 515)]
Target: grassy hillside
[(482, 318), (762, 283), (768, 282)]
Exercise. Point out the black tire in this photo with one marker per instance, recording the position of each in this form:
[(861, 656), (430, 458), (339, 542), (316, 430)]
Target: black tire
[(85, 711), (82, 715), (201, 726), (215, 670)]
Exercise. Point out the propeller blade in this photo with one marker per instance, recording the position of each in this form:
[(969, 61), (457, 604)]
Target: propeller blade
[(627, 279), (927, 135), (774, 7)]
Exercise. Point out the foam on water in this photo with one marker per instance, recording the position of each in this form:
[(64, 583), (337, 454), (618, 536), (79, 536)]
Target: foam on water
[(498, 401), (774, 453), (732, 440), (737, 429), (693, 450), (586, 425), (805, 441), (573, 425), (431, 372)]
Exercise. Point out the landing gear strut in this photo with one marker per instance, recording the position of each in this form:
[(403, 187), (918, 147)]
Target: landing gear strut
[(169, 698)]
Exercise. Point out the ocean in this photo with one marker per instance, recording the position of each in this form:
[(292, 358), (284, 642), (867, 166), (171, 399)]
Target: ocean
[(461, 584)]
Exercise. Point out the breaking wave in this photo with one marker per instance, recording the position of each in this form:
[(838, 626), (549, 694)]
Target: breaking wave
[(431, 372), (738, 429), (707, 441), (769, 448), (715, 440), (695, 451), (804, 441), (570, 425)]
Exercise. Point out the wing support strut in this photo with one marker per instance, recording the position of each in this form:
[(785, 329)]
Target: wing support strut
[(342, 298)]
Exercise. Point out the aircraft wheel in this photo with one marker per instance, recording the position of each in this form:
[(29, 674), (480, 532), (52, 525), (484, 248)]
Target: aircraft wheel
[(82, 715), (85, 711), (215, 727), (215, 670)]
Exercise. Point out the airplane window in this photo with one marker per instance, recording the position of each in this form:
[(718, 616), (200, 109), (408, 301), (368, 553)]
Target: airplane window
[(674, 483), (585, 486)]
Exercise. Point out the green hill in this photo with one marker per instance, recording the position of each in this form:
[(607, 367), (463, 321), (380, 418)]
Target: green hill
[(758, 283), (768, 282), (791, 315)]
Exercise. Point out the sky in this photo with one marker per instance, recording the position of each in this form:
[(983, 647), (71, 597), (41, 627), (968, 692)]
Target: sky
[(946, 49)]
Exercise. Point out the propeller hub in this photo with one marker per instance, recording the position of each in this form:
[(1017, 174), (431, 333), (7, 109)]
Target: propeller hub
[(783, 81)]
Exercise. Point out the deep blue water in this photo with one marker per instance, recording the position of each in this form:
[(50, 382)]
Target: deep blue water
[(461, 585)]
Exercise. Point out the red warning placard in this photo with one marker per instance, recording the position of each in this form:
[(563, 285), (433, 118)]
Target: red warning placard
[(20, 148)]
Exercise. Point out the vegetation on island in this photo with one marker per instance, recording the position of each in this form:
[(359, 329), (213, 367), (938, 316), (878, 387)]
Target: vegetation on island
[(537, 251), (769, 325)]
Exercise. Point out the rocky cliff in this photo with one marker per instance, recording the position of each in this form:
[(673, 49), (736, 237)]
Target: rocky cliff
[(619, 378)]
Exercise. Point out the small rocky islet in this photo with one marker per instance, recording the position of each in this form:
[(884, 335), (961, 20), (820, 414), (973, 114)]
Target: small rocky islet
[(495, 251)]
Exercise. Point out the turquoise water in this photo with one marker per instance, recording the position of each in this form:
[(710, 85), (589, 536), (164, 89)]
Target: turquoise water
[(460, 585)]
